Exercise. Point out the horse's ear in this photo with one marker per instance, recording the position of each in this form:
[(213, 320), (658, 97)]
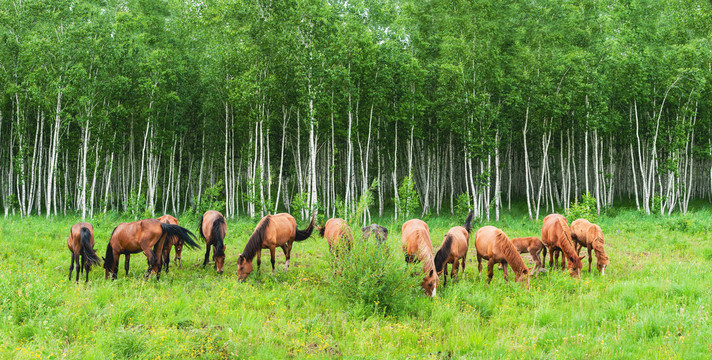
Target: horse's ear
[(240, 259), (582, 257)]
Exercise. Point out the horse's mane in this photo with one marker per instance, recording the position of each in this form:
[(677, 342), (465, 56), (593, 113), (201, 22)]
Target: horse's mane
[(200, 226), (566, 245), (443, 253), (217, 235), (511, 255), (255, 243), (424, 254)]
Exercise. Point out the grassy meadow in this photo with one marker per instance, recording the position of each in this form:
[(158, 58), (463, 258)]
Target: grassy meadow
[(654, 301)]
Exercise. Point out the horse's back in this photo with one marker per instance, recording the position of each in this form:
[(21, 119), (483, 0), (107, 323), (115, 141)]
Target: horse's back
[(74, 242), (209, 218), (485, 240), (460, 240), (282, 228), (336, 228), (168, 219), (415, 234), (551, 229), (579, 231)]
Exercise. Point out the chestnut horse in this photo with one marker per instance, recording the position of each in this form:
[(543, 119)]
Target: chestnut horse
[(494, 246), (272, 231), (533, 246), (81, 243), (415, 240), (590, 235), (212, 228), (379, 231), (556, 235), (454, 248), (337, 233), (147, 236), (174, 242), (166, 219)]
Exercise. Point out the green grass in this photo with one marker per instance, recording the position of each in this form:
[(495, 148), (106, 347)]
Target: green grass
[(654, 301)]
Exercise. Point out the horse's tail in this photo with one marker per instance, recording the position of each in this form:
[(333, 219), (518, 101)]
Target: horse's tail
[(87, 250), (217, 234), (306, 233), (109, 258), (200, 226), (179, 233), (468, 222)]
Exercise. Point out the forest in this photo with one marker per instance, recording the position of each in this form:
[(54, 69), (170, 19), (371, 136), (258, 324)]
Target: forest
[(296, 105)]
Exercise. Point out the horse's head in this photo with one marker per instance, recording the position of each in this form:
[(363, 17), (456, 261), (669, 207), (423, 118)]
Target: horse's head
[(430, 283), (523, 277), (244, 267), (220, 261), (601, 257), (179, 250), (575, 266)]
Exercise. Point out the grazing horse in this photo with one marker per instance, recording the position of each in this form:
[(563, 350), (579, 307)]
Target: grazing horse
[(167, 219), (147, 236), (453, 248), (81, 243), (415, 240), (337, 233), (212, 228), (494, 246), (556, 235), (533, 246), (272, 231), (379, 231), (583, 233)]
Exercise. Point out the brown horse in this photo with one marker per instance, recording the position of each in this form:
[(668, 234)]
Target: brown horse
[(272, 231), (533, 246), (81, 243), (494, 246), (415, 240), (380, 232), (212, 228), (453, 248), (147, 236), (175, 242), (556, 235), (590, 235), (166, 219), (337, 233)]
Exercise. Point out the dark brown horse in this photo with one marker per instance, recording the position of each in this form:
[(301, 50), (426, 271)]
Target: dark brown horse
[(174, 242), (81, 243), (272, 231), (494, 246), (337, 234), (583, 233), (212, 228), (147, 236), (556, 235), (453, 249), (533, 246), (380, 232), (415, 240)]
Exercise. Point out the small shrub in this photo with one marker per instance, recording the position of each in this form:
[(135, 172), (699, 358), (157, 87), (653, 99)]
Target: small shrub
[(137, 206), (586, 209), (408, 199), (463, 203), (374, 278), (212, 199)]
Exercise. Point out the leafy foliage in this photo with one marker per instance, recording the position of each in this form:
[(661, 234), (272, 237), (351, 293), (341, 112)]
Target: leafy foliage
[(408, 200), (212, 199), (586, 209)]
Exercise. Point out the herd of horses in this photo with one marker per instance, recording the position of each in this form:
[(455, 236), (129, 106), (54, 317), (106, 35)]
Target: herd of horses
[(156, 237)]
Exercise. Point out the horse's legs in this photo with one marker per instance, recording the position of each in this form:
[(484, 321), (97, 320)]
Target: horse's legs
[(479, 264), (556, 258), (589, 259), (271, 253), (543, 263), (551, 257), (490, 270), (207, 255), (259, 259), (86, 269), (563, 260), (126, 263), (455, 267), (71, 266), (286, 250), (167, 256), (464, 260), (79, 266), (506, 273), (535, 256), (444, 274)]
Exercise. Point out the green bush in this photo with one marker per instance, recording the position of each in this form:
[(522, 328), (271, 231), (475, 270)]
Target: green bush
[(374, 279), (462, 205), (586, 209), (408, 199), (137, 206), (212, 199)]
